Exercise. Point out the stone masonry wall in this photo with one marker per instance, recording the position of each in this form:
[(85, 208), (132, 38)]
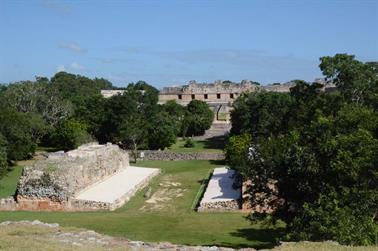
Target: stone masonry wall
[(165, 155)]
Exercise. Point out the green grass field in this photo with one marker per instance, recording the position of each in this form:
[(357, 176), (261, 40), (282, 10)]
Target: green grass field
[(167, 215), (213, 146)]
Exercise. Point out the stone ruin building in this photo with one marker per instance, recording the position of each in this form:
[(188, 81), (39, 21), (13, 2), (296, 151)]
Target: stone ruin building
[(53, 184), (218, 95)]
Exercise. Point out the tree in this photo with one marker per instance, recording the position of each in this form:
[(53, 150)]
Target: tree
[(70, 134), (3, 155), (177, 112), (357, 81), (162, 132), (320, 148), (16, 128), (198, 118), (91, 111), (38, 98), (75, 87), (118, 111), (133, 120), (132, 133), (238, 146), (146, 96), (261, 114)]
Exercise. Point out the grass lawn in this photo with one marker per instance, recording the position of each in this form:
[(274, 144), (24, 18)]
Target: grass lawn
[(210, 145), (8, 183), (167, 214)]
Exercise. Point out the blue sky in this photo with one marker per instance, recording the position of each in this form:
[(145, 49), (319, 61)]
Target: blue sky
[(171, 42)]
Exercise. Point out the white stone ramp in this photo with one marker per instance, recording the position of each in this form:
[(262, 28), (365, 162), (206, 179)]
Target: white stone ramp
[(120, 186), (220, 187)]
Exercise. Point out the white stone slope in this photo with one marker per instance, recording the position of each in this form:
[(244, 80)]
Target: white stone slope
[(120, 187), (220, 194)]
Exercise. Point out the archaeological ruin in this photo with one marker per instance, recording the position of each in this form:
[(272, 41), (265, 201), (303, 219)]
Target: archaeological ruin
[(91, 177)]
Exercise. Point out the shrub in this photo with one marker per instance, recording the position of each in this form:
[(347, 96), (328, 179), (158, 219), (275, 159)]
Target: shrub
[(189, 143)]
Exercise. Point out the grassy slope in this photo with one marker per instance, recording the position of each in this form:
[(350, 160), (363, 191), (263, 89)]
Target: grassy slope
[(176, 223)]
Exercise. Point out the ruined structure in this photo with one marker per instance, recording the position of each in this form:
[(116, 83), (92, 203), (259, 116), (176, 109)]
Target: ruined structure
[(64, 179), (218, 95), (52, 184)]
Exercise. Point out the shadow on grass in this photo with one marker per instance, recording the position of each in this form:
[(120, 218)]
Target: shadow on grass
[(265, 238), (217, 142), (218, 162)]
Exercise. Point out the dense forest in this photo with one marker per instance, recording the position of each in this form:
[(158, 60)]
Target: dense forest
[(68, 110), (320, 148)]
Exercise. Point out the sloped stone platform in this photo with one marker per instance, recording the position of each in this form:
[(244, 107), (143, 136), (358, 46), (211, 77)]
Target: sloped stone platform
[(117, 189)]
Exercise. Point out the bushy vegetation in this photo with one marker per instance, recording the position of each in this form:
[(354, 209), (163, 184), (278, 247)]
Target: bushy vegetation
[(322, 148), (189, 143)]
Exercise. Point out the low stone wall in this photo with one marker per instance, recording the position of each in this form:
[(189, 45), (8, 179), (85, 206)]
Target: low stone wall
[(220, 206), (165, 155), (8, 204)]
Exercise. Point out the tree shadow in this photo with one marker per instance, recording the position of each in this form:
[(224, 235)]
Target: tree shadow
[(265, 238), (216, 142), (218, 162)]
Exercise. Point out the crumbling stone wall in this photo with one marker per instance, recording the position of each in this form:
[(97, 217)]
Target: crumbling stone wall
[(51, 184)]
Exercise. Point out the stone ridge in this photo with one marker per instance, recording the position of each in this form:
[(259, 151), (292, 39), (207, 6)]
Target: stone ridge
[(62, 175), (79, 238)]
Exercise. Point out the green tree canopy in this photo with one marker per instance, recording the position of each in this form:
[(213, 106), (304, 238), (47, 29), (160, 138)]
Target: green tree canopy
[(198, 118), (70, 134)]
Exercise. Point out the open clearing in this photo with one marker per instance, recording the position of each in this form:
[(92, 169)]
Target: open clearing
[(166, 215)]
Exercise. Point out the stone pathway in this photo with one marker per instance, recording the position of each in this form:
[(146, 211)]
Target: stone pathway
[(120, 185)]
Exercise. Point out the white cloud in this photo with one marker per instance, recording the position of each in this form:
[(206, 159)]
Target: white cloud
[(60, 68), (73, 47), (77, 66)]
